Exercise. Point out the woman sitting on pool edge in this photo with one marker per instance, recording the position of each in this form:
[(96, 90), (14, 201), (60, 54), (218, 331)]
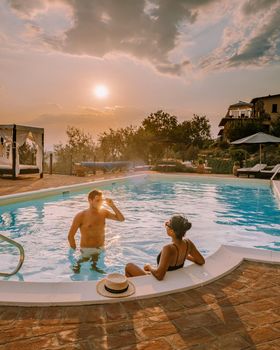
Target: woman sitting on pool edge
[(173, 255)]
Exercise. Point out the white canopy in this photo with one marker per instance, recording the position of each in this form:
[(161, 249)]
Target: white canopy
[(12, 138)]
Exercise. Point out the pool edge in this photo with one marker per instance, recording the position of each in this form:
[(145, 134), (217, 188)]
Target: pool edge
[(222, 262)]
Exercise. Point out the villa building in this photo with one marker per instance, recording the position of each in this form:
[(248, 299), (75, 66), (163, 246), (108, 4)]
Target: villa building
[(267, 107)]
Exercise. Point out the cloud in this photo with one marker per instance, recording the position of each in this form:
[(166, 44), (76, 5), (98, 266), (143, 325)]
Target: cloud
[(251, 39), (147, 30), (153, 31), (254, 6), (262, 47)]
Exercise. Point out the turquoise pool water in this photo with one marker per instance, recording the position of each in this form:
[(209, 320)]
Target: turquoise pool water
[(237, 212)]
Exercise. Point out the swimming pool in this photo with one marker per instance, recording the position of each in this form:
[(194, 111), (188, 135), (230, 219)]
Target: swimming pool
[(237, 212)]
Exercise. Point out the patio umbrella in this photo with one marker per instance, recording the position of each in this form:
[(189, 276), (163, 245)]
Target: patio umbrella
[(258, 138)]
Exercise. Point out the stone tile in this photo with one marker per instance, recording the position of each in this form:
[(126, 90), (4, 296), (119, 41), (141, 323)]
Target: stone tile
[(261, 319), (275, 299), (74, 314), (8, 315), (223, 329), (201, 308), (157, 344), (170, 304), (79, 333), (234, 300), (126, 325), (113, 341), (194, 321), (48, 342), (188, 299), (134, 309), (234, 341), (95, 313), (149, 302), (115, 312), (51, 315), (14, 334), (156, 330), (221, 315), (263, 334), (260, 305), (192, 337), (214, 291), (176, 341), (42, 330), (274, 345), (154, 310), (164, 316), (276, 311)]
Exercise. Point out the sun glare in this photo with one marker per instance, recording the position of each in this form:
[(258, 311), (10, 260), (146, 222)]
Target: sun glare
[(101, 91)]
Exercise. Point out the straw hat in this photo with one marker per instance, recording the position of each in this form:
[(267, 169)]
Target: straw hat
[(115, 285)]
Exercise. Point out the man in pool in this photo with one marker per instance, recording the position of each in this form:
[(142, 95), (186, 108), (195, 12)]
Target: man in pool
[(91, 223)]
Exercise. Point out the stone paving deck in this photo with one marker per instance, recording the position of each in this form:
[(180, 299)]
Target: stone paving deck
[(25, 183), (239, 311)]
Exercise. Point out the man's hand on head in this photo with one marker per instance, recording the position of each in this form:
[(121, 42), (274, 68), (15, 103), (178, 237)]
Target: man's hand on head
[(109, 202)]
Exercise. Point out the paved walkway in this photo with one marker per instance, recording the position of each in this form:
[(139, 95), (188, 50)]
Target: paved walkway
[(33, 182), (239, 311)]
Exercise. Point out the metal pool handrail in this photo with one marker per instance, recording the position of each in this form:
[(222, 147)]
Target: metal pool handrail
[(21, 259)]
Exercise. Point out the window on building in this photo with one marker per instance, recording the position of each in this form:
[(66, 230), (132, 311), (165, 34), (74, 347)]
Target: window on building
[(274, 108)]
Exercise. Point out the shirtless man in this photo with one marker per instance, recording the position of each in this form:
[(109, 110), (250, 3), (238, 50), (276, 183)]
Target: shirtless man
[(91, 223)]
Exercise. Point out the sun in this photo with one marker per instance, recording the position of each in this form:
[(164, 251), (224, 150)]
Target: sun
[(101, 91)]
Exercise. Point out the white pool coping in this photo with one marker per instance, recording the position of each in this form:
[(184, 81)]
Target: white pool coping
[(52, 191), (223, 261)]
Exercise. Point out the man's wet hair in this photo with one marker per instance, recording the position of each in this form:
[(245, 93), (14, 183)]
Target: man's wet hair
[(180, 225), (93, 194)]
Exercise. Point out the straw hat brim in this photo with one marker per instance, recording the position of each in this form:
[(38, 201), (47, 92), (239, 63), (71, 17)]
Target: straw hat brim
[(100, 287)]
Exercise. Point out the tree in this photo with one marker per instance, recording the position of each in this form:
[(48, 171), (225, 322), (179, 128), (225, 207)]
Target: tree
[(191, 135), (275, 126), (240, 128), (79, 147), (158, 130), (161, 125)]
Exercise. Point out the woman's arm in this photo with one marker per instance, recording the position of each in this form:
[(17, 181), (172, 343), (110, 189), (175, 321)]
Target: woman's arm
[(194, 254), (164, 263)]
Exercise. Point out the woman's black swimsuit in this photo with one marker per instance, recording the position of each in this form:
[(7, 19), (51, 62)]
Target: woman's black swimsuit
[(176, 267)]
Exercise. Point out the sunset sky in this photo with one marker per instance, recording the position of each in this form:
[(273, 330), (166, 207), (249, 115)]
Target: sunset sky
[(181, 56)]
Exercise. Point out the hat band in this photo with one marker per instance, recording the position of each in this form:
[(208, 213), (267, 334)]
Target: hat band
[(116, 291)]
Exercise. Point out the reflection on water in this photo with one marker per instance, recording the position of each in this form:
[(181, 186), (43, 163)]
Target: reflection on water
[(221, 213)]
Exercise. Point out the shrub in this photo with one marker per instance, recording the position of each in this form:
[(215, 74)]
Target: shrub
[(221, 166)]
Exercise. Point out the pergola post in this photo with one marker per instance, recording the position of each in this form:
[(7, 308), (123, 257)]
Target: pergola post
[(14, 151), (42, 173)]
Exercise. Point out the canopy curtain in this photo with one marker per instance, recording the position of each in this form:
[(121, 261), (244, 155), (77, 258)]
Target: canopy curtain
[(21, 138), (37, 137), (6, 141)]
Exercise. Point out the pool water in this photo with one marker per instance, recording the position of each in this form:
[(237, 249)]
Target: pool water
[(237, 212)]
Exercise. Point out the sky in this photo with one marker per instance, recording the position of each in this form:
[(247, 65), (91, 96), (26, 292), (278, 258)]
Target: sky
[(184, 57)]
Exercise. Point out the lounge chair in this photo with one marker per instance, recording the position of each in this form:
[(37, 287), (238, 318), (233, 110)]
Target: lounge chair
[(267, 173), (255, 170)]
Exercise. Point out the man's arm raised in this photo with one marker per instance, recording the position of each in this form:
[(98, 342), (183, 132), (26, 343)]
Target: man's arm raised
[(117, 215), (73, 230)]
